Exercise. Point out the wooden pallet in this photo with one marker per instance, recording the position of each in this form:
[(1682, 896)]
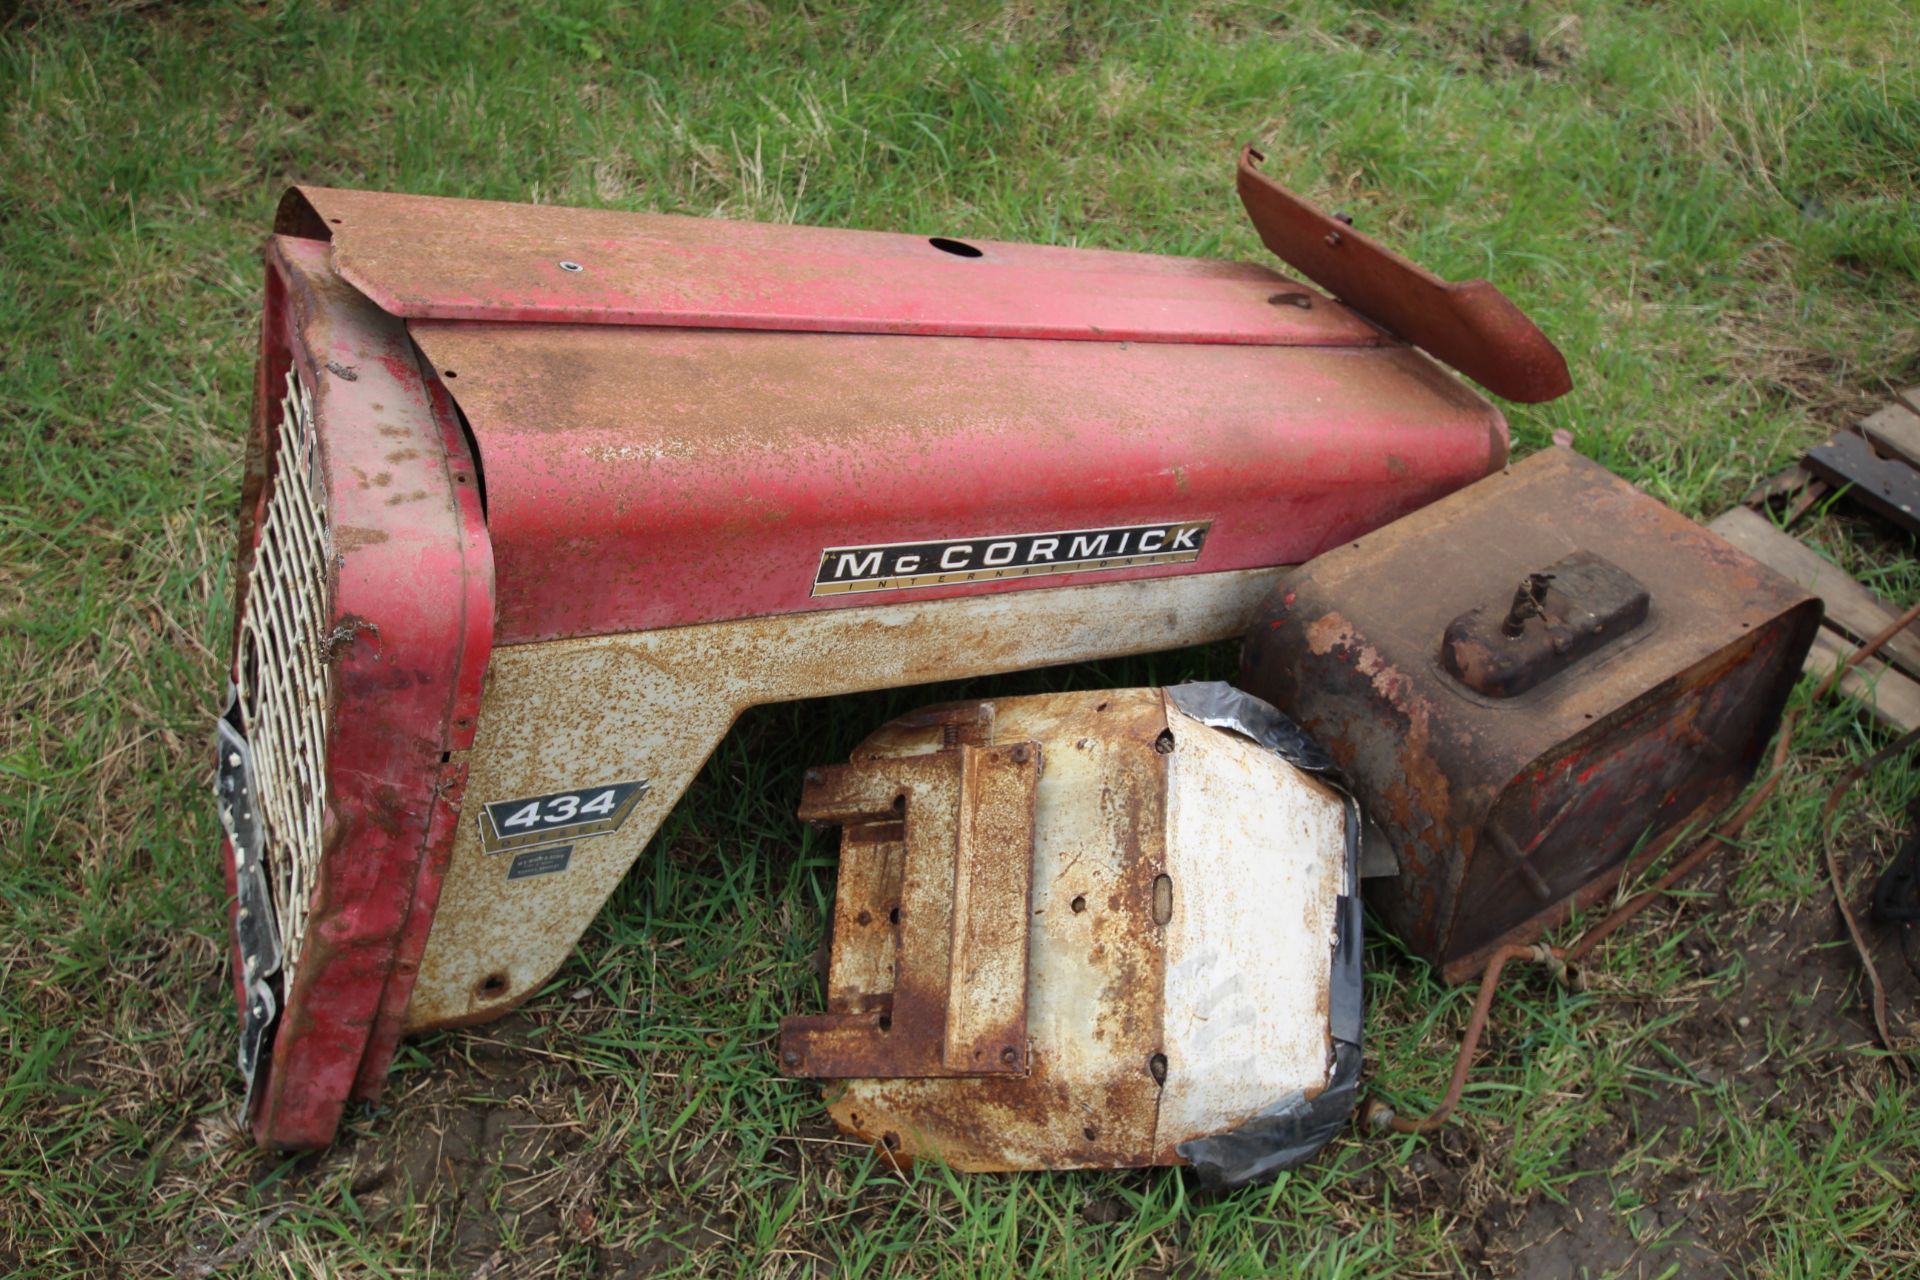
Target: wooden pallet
[(1890, 688), (1877, 462)]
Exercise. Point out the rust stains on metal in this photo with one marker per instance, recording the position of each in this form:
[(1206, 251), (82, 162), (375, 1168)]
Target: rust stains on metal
[(930, 979), (425, 257), (1557, 616), (653, 705), (1470, 325), (1516, 773), (1092, 1024), (1183, 888), (645, 477)]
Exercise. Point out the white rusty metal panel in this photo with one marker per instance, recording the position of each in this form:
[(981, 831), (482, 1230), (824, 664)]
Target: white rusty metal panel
[(1256, 854), (573, 715), (1093, 988), (1185, 888)]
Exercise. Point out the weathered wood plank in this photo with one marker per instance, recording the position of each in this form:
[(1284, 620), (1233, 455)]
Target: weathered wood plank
[(1888, 487), (1893, 699), (1850, 606), (1895, 428)]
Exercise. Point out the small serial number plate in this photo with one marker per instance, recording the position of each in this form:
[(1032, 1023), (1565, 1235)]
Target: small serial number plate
[(540, 862)]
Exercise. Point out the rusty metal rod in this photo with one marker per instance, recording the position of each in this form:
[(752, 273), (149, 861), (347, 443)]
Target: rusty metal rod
[(1868, 649), (1853, 775), (1378, 1115)]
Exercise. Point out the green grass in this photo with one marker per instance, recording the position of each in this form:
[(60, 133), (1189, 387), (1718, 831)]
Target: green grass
[(1711, 206)]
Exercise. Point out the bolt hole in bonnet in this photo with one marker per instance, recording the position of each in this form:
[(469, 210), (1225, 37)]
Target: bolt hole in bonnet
[(958, 248)]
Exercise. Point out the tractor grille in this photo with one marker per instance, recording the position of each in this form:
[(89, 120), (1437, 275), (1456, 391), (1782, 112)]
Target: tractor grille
[(282, 677)]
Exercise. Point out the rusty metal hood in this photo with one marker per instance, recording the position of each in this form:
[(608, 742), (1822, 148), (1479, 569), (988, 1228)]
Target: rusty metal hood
[(436, 258), (1469, 325), (677, 420)]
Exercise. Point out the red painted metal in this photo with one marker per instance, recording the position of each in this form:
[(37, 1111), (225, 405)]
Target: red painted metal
[(412, 628), (1470, 325), (475, 638), (674, 433), (424, 257), (643, 478)]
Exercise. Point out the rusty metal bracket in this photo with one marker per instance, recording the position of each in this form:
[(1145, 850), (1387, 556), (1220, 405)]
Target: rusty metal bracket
[(929, 966), (1575, 606), (1468, 324)]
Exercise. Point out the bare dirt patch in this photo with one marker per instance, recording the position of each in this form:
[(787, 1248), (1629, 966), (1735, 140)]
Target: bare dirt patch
[(496, 1141), (493, 1148), (1781, 1042)]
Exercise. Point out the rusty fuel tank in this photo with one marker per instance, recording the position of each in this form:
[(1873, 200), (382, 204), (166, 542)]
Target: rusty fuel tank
[(1090, 930), (1530, 685)]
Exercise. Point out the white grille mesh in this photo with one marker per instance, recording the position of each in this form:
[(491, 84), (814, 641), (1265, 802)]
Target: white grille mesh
[(283, 667)]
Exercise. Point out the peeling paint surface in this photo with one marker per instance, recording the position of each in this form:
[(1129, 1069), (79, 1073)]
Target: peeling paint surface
[(408, 629), (1510, 812), (1254, 853), (1184, 889), (653, 705)]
